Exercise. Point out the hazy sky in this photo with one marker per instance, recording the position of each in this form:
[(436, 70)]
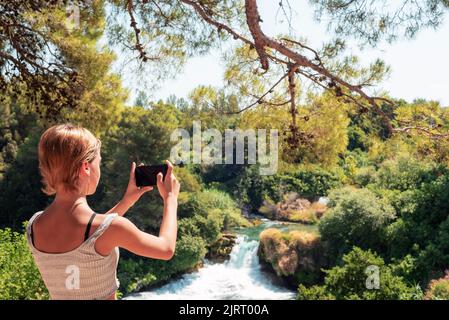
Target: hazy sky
[(419, 66)]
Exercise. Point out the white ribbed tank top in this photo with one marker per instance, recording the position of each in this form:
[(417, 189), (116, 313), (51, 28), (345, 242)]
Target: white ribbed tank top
[(79, 274)]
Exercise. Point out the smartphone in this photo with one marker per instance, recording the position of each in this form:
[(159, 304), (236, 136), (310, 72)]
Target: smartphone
[(147, 175)]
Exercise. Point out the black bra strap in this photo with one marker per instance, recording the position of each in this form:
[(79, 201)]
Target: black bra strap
[(31, 234), (86, 234)]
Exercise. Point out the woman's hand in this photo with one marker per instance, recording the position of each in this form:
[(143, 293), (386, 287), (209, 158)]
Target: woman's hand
[(170, 186), (133, 193)]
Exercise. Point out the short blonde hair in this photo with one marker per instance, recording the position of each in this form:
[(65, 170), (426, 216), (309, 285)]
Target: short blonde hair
[(62, 150)]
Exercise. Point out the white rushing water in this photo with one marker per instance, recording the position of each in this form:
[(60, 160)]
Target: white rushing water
[(238, 278)]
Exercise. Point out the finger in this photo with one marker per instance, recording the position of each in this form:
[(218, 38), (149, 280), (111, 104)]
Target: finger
[(170, 167), (133, 168), (159, 179), (141, 164), (146, 189)]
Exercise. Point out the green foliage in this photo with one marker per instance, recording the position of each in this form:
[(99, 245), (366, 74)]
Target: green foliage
[(366, 125), (133, 275), (352, 162), (209, 226), (202, 202), (211, 212), (422, 113), (164, 24), (322, 120), (406, 173), (356, 218), (22, 182), (19, 276), (190, 251), (434, 259), (72, 78), (365, 176), (422, 227), (349, 281), (314, 293), (308, 182), (188, 180), (16, 124), (438, 289)]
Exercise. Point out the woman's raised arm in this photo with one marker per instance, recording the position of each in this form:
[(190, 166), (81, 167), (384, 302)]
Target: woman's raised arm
[(123, 233)]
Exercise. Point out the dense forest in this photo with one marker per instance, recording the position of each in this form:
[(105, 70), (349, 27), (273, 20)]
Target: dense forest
[(380, 161)]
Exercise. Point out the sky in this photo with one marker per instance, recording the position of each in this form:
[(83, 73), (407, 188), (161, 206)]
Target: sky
[(419, 67)]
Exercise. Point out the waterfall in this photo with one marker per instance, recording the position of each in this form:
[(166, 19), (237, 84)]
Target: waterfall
[(238, 278)]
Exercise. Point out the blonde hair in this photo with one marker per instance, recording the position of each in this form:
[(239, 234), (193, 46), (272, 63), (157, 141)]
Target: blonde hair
[(62, 150)]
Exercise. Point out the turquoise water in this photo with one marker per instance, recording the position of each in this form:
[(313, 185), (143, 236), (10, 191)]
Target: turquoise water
[(253, 233), (241, 277)]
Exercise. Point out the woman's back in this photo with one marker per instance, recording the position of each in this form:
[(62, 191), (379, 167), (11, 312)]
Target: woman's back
[(70, 267), (62, 229)]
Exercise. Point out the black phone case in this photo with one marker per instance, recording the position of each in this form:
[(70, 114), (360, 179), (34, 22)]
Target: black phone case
[(147, 175)]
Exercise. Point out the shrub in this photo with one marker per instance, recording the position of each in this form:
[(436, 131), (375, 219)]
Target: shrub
[(188, 226), (365, 175), (422, 228), (188, 181), (438, 289), (407, 173), (19, 276), (350, 281), (356, 217), (210, 226), (352, 161), (133, 275), (309, 183), (314, 293), (212, 211), (201, 202), (434, 259)]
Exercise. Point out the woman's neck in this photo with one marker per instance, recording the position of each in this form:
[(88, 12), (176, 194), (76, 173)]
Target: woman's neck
[(68, 199)]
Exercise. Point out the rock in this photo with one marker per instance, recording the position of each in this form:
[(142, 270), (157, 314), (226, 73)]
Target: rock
[(296, 256), (221, 249)]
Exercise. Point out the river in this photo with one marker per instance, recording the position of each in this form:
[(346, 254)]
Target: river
[(241, 277)]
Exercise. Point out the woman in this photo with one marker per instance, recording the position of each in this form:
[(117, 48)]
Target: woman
[(75, 249)]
